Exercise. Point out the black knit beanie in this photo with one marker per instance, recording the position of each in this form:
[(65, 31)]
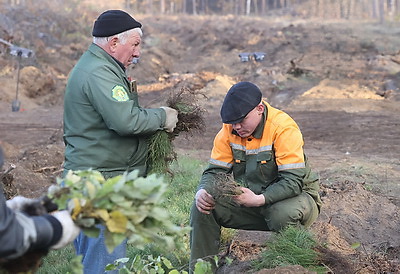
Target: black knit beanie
[(112, 22)]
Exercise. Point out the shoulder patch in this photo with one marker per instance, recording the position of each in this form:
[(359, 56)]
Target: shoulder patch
[(119, 93)]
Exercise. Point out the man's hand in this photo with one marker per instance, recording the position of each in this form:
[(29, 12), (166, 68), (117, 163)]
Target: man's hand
[(70, 230), (204, 201), (171, 120), (249, 199)]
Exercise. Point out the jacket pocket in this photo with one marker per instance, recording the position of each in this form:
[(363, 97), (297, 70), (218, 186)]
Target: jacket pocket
[(267, 166), (239, 166)]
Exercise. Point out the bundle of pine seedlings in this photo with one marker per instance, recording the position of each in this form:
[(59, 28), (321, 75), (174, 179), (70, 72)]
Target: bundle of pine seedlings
[(224, 187), (129, 207), (190, 119)]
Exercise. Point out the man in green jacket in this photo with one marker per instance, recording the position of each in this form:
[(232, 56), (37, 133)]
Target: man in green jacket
[(104, 127), (262, 147)]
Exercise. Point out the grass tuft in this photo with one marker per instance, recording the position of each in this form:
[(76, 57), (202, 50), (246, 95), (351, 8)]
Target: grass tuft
[(291, 246)]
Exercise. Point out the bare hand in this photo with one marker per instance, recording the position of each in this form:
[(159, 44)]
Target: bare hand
[(249, 199), (204, 201)]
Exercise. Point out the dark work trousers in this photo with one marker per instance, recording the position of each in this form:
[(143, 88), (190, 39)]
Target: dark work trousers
[(206, 229)]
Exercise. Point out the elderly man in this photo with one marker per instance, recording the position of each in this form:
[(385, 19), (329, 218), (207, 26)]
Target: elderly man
[(263, 148), (104, 127)]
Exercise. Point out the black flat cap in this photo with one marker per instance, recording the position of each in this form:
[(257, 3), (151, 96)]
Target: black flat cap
[(112, 22), (239, 101)]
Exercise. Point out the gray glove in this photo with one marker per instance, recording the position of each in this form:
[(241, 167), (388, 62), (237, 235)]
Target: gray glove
[(70, 230), (171, 120), (32, 207), (19, 203)]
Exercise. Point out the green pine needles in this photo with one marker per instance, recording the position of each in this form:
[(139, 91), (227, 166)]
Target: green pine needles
[(291, 246), (190, 119)]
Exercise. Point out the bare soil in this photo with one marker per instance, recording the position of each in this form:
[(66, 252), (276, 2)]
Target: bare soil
[(339, 81)]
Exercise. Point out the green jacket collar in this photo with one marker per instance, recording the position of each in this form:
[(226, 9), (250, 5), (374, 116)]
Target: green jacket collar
[(97, 50)]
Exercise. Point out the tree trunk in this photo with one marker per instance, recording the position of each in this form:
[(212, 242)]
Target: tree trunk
[(150, 6), (255, 5), (248, 6), (128, 4), (374, 9), (381, 11), (391, 10), (263, 7), (184, 6), (231, 7), (194, 7), (162, 6)]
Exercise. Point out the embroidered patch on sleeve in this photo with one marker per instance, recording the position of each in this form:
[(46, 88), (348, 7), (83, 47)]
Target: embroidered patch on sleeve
[(119, 94)]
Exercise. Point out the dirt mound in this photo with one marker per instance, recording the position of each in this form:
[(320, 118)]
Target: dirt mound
[(356, 230), (369, 219), (330, 89), (37, 84)]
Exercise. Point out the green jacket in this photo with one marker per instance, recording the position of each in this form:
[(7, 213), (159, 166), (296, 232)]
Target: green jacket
[(104, 126), (270, 162)]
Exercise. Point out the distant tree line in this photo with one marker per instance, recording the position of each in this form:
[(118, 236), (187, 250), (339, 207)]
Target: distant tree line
[(335, 9), (329, 9)]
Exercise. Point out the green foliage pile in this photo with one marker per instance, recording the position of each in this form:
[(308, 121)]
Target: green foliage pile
[(157, 265), (190, 119), (291, 246), (177, 201), (127, 206)]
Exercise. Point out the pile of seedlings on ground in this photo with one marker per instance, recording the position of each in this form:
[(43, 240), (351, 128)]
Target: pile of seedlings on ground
[(190, 120)]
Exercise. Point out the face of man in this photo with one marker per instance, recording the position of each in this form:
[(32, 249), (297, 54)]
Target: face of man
[(247, 126), (126, 52)]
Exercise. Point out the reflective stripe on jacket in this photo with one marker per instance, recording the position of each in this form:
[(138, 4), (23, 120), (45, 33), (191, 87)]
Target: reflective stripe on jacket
[(270, 162), (104, 126)]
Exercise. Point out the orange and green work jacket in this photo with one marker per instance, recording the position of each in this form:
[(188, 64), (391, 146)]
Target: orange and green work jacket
[(270, 162)]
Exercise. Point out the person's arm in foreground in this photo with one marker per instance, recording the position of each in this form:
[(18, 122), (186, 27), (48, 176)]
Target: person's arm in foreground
[(20, 233)]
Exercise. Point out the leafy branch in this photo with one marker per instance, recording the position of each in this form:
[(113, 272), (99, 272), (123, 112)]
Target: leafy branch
[(128, 206)]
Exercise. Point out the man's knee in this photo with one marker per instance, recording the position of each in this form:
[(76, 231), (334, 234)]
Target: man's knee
[(300, 210)]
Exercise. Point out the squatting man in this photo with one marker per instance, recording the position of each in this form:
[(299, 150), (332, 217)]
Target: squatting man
[(263, 148)]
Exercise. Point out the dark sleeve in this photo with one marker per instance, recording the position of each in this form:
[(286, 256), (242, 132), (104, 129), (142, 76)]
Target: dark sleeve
[(221, 160), (289, 184), (208, 177), (20, 233)]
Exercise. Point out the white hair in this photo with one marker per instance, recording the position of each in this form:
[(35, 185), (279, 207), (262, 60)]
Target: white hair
[(122, 37)]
